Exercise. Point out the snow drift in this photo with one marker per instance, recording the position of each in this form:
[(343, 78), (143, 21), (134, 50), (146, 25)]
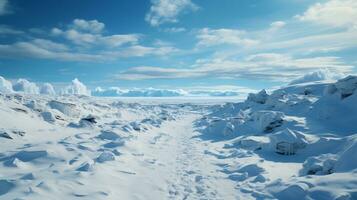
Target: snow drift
[(304, 133)]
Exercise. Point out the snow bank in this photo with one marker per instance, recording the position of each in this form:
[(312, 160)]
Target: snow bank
[(47, 89), (25, 86), (320, 75), (5, 85), (76, 88)]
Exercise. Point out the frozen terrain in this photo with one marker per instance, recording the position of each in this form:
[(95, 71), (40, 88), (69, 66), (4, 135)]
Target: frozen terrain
[(297, 142)]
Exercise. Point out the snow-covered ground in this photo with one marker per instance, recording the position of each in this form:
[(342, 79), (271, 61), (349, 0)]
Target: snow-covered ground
[(297, 142)]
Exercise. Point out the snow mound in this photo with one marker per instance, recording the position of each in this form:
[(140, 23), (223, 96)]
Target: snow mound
[(48, 116), (287, 141), (267, 120), (345, 87), (68, 109), (28, 176), (25, 86), (105, 156), (221, 127), (47, 89), (108, 135), (295, 192), (76, 88), (114, 144), (5, 85), (6, 186), (85, 122), (28, 156), (320, 75), (319, 165), (85, 167), (347, 161)]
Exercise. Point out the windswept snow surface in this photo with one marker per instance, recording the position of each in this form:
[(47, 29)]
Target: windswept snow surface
[(298, 142)]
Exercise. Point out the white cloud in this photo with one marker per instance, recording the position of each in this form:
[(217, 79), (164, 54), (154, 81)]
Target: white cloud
[(25, 86), (92, 26), (47, 89), (212, 37), (41, 50), (49, 45), (319, 42), (4, 7), (149, 72), (319, 75), (45, 49), (167, 11), (277, 25), (5, 85), (76, 88), (139, 51), (174, 30), (87, 33), (339, 13), (268, 66), (6, 30)]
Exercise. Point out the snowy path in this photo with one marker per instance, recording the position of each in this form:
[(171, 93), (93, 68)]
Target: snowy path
[(171, 164)]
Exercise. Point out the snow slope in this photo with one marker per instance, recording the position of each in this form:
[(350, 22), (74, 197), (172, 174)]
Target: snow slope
[(297, 142)]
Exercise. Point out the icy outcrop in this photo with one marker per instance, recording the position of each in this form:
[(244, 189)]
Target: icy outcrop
[(105, 156), (86, 166), (48, 116), (345, 87), (260, 97)]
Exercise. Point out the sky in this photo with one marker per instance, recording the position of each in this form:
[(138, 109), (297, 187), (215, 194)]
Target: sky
[(176, 43)]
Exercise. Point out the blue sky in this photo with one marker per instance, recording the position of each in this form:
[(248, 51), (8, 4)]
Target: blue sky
[(176, 43)]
